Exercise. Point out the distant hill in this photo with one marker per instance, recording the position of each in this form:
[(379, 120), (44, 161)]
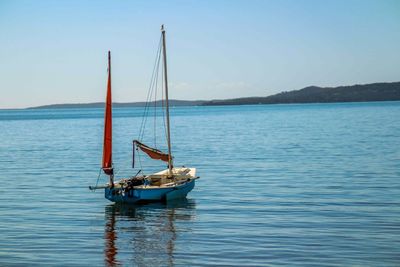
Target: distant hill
[(311, 94), (315, 94), (121, 105)]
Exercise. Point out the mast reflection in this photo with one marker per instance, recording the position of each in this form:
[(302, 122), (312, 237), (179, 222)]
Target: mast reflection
[(144, 235)]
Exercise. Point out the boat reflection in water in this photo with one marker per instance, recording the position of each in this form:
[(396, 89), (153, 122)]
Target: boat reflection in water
[(145, 235)]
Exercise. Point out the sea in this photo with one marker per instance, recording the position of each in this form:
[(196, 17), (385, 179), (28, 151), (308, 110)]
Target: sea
[(280, 185)]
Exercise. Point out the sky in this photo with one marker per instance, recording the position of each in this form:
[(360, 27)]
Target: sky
[(56, 51)]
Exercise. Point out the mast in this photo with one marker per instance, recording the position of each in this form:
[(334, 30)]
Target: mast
[(166, 101), (107, 146)]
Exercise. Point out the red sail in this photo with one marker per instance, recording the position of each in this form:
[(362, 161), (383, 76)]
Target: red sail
[(107, 147), (152, 152)]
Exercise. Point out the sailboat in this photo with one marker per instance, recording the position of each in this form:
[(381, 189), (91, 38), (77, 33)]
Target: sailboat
[(165, 185)]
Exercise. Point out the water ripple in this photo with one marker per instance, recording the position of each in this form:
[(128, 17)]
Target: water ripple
[(281, 185)]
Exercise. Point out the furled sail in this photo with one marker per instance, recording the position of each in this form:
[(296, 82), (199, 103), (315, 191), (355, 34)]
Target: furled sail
[(152, 152), (107, 146)]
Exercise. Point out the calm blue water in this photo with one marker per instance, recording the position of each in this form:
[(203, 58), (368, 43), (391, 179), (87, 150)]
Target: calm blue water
[(281, 185)]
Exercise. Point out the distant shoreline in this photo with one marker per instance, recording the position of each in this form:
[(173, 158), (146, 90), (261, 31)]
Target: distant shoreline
[(312, 94), (120, 105)]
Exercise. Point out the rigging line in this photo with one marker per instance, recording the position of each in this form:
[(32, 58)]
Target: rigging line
[(146, 109), (144, 118), (155, 115), (98, 177), (116, 173), (142, 125), (163, 105), (163, 100), (122, 164), (150, 94), (155, 101), (152, 89), (140, 160)]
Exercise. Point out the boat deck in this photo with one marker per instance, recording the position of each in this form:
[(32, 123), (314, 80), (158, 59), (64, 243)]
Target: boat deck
[(162, 179)]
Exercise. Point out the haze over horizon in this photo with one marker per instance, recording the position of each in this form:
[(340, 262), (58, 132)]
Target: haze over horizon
[(56, 51)]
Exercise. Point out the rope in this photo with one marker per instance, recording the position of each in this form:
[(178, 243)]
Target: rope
[(155, 102), (163, 101), (116, 172), (150, 91), (153, 88), (140, 160), (97, 182)]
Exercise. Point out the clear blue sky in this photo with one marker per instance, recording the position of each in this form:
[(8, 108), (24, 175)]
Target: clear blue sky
[(55, 51)]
